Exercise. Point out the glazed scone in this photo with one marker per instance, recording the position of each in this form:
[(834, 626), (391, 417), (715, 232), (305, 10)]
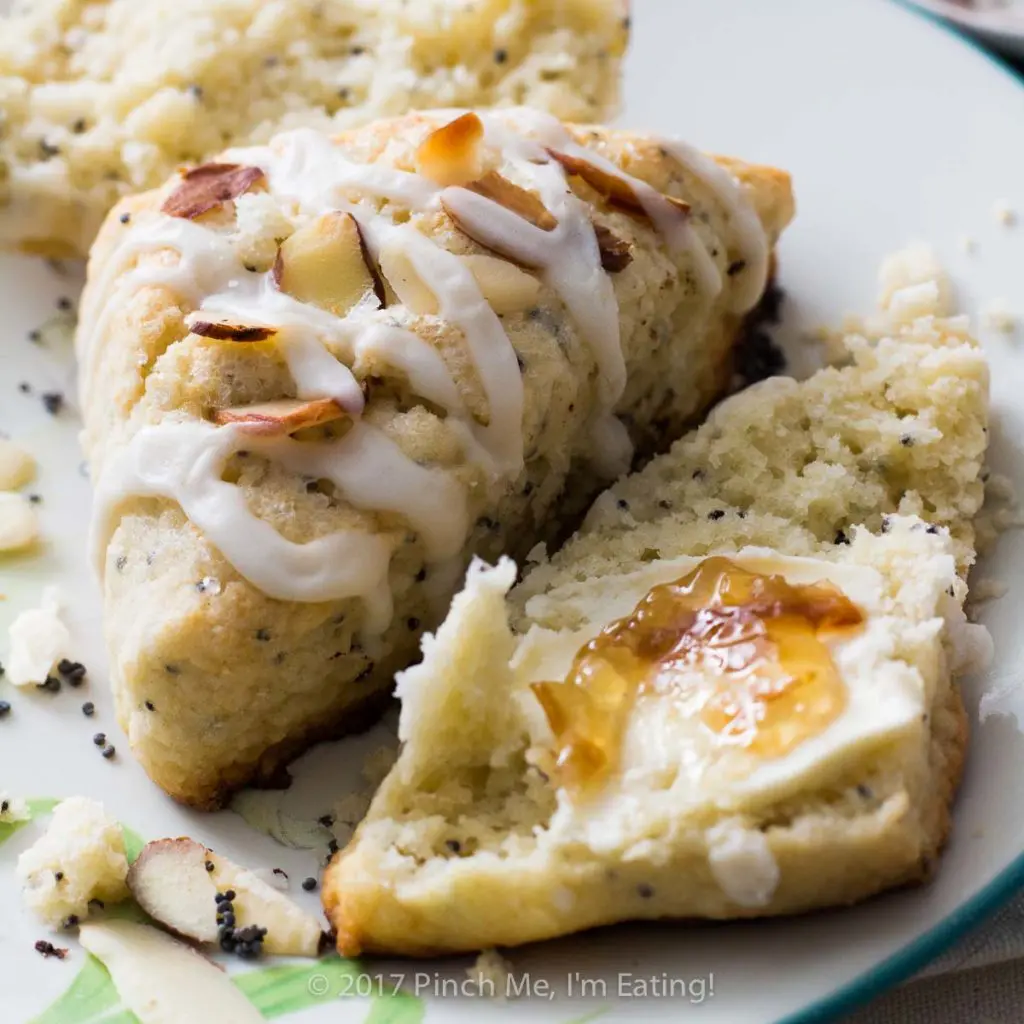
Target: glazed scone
[(468, 323), (80, 858), (102, 98), (722, 769)]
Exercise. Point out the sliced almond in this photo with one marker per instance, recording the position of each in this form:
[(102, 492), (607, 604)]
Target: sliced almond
[(616, 253), (521, 202), (206, 187), (326, 263), (281, 416), (613, 187), (408, 286), (176, 881), (163, 981), (17, 466), (19, 525), (231, 332), (506, 288), (452, 155)]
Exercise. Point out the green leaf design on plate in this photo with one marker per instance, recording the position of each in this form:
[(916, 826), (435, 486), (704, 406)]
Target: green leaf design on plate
[(277, 991), (133, 843), (36, 807), (400, 1008), (90, 999), (587, 1017)]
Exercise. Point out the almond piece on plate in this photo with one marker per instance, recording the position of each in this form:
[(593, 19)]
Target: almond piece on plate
[(206, 187), (505, 193), (176, 881), (505, 287), (451, 155), (19, 525), (616, 253), (231, 332), (281, 416), (163, 981), (615, 189), (17, 466), (326, 264)]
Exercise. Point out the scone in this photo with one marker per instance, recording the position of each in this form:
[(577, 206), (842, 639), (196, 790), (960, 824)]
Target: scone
[(316, 376), (723, 699), (102, 98)]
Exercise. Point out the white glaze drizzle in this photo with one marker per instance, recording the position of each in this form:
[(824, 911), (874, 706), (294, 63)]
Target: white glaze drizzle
[(753, 245), (183, 460)]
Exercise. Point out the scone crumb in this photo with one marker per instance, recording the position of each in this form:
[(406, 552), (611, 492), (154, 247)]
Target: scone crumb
[(78, 860), (38, 641), (12, 809), (1004, 213), (900, 277), (999, 513), (997, 316), (491, 972), (968, 244)]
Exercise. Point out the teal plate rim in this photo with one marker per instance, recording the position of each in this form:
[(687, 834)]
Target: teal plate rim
[(919, 952)]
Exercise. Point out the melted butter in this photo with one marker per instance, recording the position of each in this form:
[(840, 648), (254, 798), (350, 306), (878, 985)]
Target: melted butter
[(748, 651)]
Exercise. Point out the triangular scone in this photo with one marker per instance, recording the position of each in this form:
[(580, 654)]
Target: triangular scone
[(712, 796), (105, 98), (318, 375)]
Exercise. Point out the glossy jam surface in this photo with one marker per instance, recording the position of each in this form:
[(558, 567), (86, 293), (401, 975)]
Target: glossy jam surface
[(747, 652)]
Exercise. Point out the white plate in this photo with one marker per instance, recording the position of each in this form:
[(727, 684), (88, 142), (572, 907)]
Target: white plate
[(894, 130)]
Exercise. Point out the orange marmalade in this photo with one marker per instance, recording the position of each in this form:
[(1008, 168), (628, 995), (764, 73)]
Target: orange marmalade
[(751, 648)]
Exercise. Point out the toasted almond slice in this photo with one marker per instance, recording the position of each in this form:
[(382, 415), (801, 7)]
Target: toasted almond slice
[(616, 253), (326, 263), (521, 202), (451, 155), (615, 189), (506, 288), (176, 880), (205, 187), (407, 284), (231, 332), (281, 416)]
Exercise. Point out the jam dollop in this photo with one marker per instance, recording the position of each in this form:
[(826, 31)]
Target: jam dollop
[(748, 652)]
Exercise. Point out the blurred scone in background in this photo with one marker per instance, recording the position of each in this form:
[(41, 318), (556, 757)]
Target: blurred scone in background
[(102, 98)]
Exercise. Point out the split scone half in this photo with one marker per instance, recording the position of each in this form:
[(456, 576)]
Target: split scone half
[(103, 98), (723, 699), (317, 375)]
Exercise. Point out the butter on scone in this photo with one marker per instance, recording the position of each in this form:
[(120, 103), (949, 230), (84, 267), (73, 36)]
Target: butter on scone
[(724, 698), (318, 375), (102, 98)]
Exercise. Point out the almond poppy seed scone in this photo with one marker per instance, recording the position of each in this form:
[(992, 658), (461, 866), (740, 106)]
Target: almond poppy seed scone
[(101, 98), (726, 707), (317, 375)]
